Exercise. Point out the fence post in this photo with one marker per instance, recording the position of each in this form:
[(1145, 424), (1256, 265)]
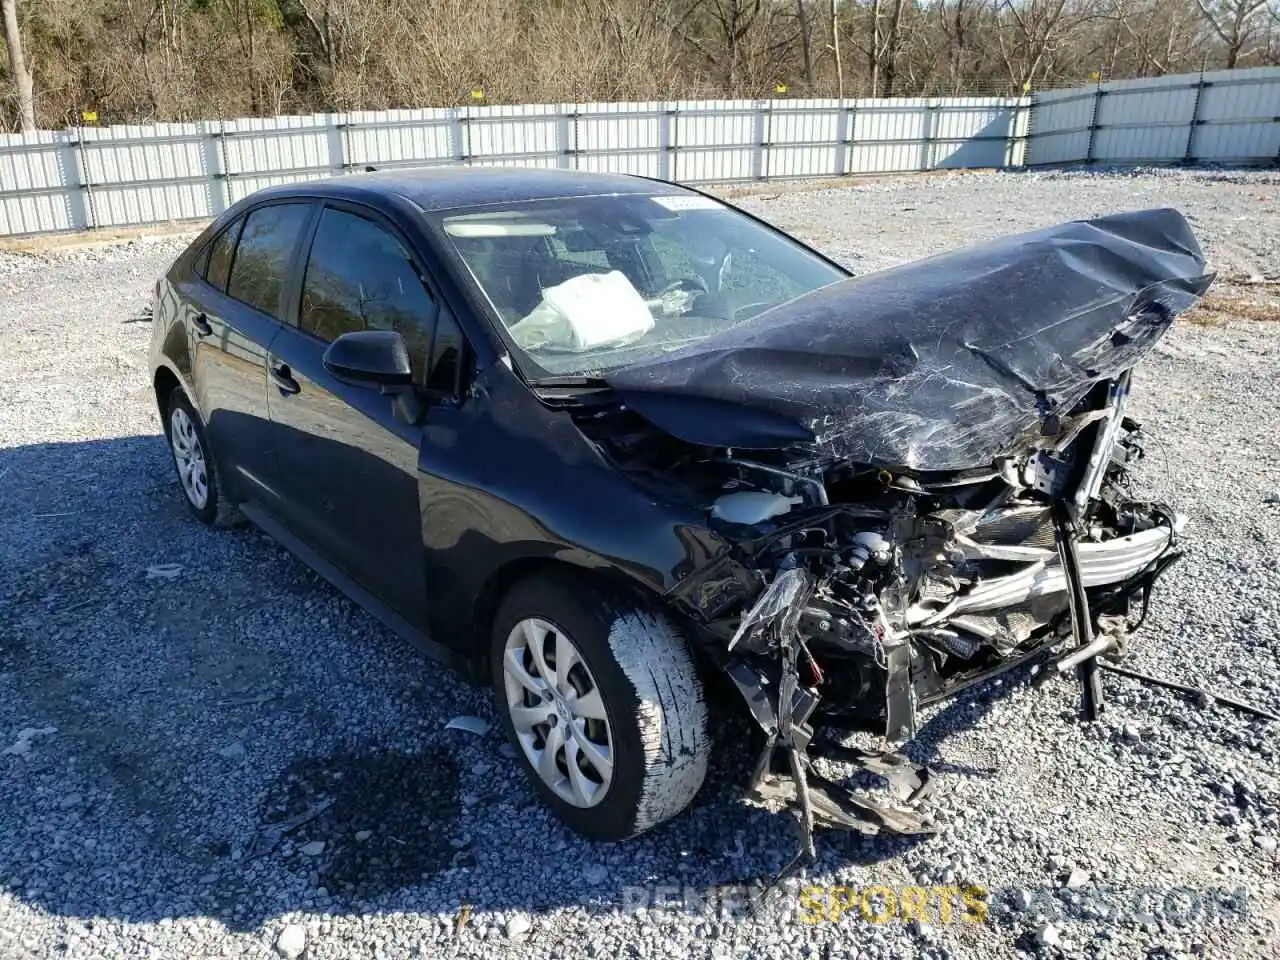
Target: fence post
[(566, 137), (667, 143), (930, 132), (763, 112), (1188, 157), (842, 135), (226, 163), (210, 137), (335, 135), (86, 183), (462, 135), (1020, 131), (1093, 119), (853, 137)]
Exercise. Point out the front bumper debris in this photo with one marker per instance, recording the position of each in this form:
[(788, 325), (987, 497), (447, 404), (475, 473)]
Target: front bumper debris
[(783, 706), (785, 773)]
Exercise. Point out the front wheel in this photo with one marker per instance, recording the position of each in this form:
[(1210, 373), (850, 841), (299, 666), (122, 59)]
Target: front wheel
[(603, 703)]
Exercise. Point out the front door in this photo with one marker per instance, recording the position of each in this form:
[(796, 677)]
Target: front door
[(348, 465)]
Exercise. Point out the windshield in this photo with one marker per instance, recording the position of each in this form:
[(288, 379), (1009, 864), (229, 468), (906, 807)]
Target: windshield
[(585, 285)]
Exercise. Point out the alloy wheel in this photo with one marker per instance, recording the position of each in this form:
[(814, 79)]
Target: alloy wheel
[(188, 455), (557, 712)]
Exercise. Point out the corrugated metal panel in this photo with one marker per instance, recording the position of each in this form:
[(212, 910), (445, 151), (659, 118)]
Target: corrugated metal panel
[(803, 121), (1059, 127), (144, 174), (516, 132), (34, 161), (621, 138), (39, 183), (391, 137), (283, 144), (805, 161), (1249, 105), (127, 205), (39, 213)]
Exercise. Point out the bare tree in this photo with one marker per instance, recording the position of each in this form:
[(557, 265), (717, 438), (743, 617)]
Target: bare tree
[(728, 22), (835, 46), (883, 42), (957, 23), (1037, 29), (1237, 23), (806, 43), (22, 85), (1152, 37)]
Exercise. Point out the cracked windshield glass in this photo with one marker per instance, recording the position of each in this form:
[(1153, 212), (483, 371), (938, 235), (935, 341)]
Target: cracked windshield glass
[(585, 285)]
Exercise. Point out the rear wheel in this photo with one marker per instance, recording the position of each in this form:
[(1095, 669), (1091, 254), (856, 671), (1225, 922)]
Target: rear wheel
[(603, 703), (197, 473)]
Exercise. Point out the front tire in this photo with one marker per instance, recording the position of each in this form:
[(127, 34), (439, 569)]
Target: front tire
[(602, 701)]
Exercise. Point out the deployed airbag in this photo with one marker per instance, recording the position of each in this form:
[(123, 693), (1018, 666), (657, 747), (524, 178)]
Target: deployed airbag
[(585, 312)]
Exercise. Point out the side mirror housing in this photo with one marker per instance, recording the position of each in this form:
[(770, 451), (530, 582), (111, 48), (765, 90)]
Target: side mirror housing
[(376, 357)]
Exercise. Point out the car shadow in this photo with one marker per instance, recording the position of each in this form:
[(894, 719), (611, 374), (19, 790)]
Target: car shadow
[(212, 731)]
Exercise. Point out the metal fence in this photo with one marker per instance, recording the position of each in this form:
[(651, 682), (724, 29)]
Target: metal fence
[(96, 177), (1224, 116), (123, 175)]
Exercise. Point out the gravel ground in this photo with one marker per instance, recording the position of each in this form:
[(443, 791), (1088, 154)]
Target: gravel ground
[(157, 721)]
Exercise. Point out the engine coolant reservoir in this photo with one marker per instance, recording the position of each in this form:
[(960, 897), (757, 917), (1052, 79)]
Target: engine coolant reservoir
[(752, 506)]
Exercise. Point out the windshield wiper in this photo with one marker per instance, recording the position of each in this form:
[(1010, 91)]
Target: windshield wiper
[(589, 383)]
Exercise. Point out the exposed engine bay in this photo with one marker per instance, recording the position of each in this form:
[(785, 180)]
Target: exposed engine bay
[(897, 589)]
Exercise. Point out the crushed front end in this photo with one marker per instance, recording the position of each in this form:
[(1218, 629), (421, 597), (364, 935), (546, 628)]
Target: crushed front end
[(884, 592), (922, 479)]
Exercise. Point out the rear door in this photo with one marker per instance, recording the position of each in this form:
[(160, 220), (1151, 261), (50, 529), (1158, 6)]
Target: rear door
[(232, 318), (348, 466)]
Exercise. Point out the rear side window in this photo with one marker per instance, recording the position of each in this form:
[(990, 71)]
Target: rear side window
[(259, 271), (361, 277), (221, 254)]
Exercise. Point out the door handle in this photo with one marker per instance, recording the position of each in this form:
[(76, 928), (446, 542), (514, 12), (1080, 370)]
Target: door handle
[(203, 327), (282, 377)]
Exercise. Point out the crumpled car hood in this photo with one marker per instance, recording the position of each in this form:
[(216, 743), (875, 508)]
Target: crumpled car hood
[(943, 364)]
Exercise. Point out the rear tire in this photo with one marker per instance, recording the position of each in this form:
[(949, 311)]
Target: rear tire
[(608, 686), (196, 469)]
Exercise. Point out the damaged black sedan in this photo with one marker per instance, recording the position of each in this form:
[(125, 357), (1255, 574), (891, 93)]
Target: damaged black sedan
[(600, 440)]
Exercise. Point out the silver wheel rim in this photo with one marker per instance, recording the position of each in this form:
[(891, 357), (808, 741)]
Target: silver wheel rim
[(188, 455), (558, 714)]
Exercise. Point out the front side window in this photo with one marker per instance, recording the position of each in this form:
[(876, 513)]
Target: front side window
[(260, 268), (584, 285), (448, 348), (360, 277)]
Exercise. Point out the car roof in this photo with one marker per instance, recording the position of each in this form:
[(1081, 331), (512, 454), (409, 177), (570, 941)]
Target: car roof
[(443, 188)]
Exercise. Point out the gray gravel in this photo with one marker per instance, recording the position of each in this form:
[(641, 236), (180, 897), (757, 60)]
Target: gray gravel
[(158, 726)]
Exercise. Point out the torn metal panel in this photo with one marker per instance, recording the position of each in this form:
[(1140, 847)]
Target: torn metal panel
[(782, 600), (943, 364)]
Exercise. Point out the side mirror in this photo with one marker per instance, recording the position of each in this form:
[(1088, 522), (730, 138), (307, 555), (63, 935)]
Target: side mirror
[(376, 357)]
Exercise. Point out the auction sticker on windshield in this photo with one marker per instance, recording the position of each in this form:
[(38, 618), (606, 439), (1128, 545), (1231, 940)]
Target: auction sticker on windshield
[(688, 201)]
